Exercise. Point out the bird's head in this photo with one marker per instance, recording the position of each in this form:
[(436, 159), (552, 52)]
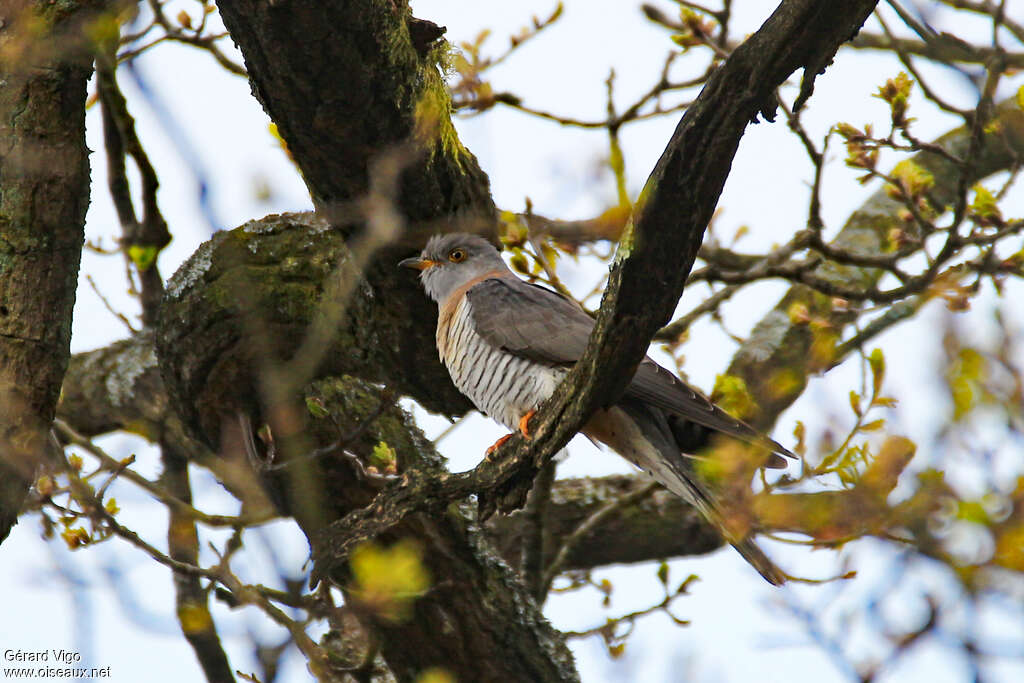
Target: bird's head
[(450, 261)]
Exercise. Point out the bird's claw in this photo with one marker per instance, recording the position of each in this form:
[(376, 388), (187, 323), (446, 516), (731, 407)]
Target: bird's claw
[(524, 426), (497, 444)]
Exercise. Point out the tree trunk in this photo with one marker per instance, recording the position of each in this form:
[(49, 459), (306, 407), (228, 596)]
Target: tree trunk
[(44, 193)]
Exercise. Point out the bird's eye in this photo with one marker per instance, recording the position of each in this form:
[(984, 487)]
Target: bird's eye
[(456, 255)]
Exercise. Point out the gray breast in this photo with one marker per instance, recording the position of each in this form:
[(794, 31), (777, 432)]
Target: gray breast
[(500, 385)]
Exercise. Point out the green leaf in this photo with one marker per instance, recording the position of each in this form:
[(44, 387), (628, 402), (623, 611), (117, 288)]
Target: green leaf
[(912, 179), (684, 587), (849, 132), (732, 395), (877, 362), (800, 432), (963, 397), (972, 511), (142, 257), (383, 456), (519, 262), (316, 407), (386, 580), (985, 205), (896, 92), (436, 674)]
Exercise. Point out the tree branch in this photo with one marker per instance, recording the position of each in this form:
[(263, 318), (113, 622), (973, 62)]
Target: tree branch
[(779, 343)]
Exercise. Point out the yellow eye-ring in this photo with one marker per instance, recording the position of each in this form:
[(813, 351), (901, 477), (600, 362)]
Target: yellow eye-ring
[(456, 255)]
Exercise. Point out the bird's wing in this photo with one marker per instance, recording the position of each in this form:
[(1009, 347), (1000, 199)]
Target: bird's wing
[(529, 321), (656, 386), (541, 325)]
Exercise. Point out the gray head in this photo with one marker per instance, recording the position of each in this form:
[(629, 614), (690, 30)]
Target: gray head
[(449, 261)]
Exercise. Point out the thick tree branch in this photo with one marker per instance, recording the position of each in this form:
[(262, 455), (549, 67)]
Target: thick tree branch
[(252, 293), (44, 171), (945, 48), (379, 86)]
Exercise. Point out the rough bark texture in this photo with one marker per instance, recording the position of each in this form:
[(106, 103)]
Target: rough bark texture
[(347, 83), (253, 291), (476, 606), (659, 526), (115, 388), (44, 192)]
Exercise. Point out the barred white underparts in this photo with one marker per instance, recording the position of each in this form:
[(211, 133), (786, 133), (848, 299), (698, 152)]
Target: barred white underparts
[(502, 386)]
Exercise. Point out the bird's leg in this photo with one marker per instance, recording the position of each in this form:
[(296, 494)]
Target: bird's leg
[(494, 446), (524, 426), (524, 429)]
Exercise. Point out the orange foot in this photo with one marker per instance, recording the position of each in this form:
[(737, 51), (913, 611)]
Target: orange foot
[(494, 446), (524, 427)]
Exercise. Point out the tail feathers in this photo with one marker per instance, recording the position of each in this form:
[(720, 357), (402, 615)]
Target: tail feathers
[(759, 561), (643, 437), (694, 493), (689, 488)]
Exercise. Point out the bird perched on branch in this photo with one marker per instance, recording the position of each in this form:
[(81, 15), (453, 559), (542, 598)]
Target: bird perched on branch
[(507, 344)]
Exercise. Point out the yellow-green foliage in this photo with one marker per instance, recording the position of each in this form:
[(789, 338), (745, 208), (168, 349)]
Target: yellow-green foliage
[(732, 395), (436, 674), (388, 580), (384, 457), (143, 257), (964, 377), (911, 180), (896, 92), (985, 207)]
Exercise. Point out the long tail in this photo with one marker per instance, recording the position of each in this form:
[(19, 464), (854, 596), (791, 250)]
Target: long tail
[(759, 561), (643, 437), (681, 482), (746, 547)]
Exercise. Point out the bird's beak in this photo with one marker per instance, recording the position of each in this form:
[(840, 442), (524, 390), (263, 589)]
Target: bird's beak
[(417, 262)]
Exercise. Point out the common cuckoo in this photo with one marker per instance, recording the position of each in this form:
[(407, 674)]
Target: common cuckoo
[(507, 344)]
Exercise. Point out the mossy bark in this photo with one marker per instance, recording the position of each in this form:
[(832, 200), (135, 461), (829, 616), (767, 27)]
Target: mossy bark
[(251, 293)]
